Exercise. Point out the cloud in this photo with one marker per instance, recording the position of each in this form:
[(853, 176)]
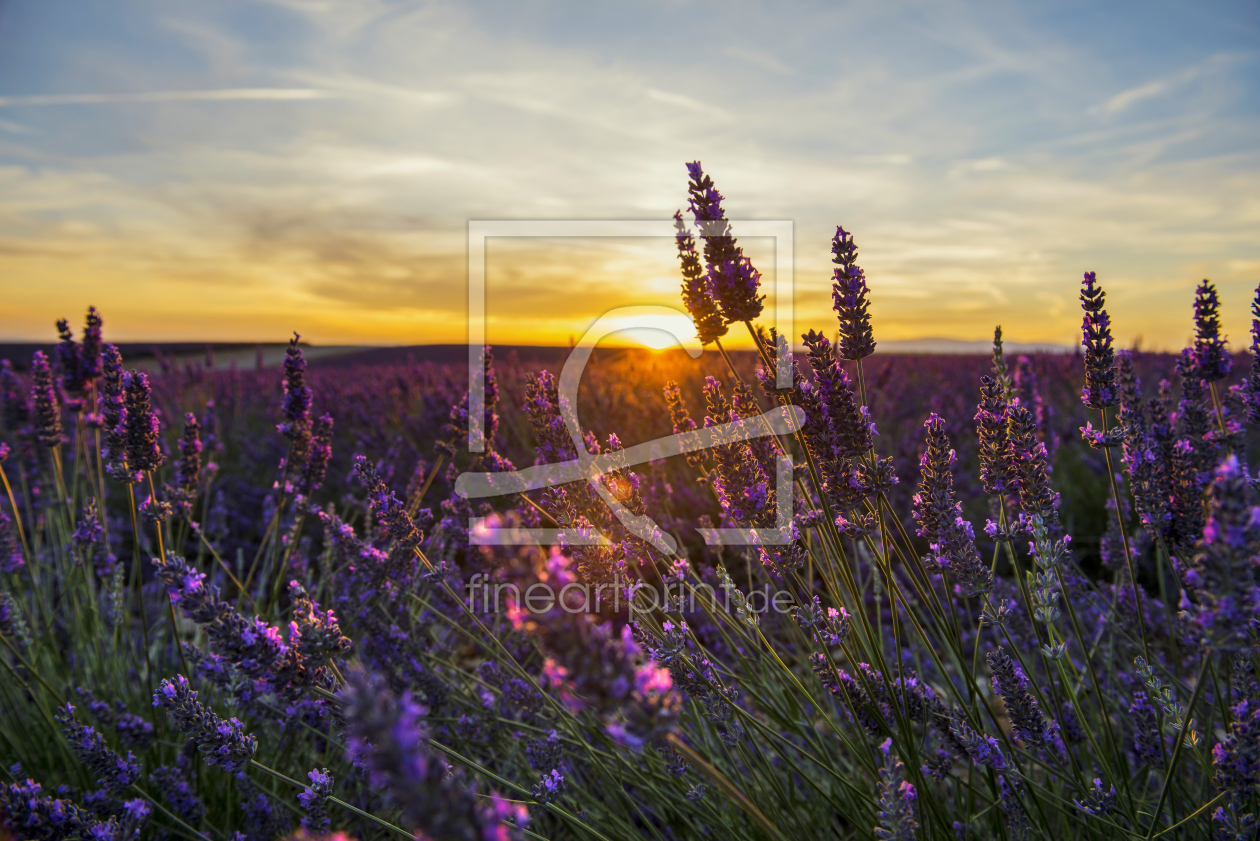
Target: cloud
[(759, 60), (227, 95), (1160, 87)]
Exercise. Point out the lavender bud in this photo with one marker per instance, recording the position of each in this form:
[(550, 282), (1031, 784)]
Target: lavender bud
[(696, 295), (313, 800), (388, 510), (321, 451), (143, 433), (44, 399), (222, 743), (113, 408), (730, 276), (1100, 373), (1253, 382), (188, 471), (296, 406), (1011, 683), (849, 299), (896, 799), (114, 772), (996, 466), (179, 794), (1209, 348)]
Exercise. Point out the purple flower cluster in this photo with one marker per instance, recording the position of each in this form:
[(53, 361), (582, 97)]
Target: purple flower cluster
[(939, 515), (143, 431), (897, 798), (1009, 681), (296, 405), (1100, 374), (697, 297), (46, 402), (289, 667), (114, 773), (33, 816), (1210, 351), (849, 298), (222, 743), (313, 800), (729, 276), (175, 789), (388, 739)]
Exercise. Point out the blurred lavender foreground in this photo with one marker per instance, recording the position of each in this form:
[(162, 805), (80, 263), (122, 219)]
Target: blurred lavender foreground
[(1020, 600)]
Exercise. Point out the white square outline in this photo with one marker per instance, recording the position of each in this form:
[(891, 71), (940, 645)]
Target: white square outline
[(479, 230)]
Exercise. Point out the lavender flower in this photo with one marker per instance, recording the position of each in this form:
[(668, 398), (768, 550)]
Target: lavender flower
[(113, 408), (321, 451), (1096, 801), (313, 800), (849, 299), (14, 408), (979, 748), (144, 453), (1253, 382), (997, 472), (1220, 574), (263, 819), (114, 772), (939, 515), (386, 508), (32, 816), (12, 626), (171, 784), (90, 350), (896, 799), (683, 424), (70, 364), (133, 731), (1147, 742), (730, 276), (1031, 466), (188, 470), (1009, 681), (838, 431), (388, 739), (296, 406), (257, 649), (44, 399), (697, 296), (222, 743), (1237, 758), (1209, 348), (1100, 375)]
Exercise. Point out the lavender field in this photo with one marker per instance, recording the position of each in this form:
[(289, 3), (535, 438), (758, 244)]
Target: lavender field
[(1017, 596)]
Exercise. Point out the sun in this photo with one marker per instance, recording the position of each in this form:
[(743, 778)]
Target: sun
[(657, 334)]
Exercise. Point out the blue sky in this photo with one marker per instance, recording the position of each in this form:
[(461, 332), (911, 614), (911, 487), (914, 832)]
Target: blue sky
[(238, 170)]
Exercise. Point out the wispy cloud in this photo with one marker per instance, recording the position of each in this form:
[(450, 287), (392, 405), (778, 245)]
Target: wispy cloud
[(759, 59), (226, 95), (1168, 84)]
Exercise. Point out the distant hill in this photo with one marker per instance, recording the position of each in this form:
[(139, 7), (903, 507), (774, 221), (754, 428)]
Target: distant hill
[(149, 356), (957, 347)]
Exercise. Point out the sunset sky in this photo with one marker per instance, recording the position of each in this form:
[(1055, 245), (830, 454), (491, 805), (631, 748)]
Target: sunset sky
[(234, 171)]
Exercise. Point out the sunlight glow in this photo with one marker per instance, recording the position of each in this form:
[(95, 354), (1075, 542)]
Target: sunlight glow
[(654, 337)]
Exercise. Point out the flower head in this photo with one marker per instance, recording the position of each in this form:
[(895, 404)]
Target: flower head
[(1100, 374), (849, 296)]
